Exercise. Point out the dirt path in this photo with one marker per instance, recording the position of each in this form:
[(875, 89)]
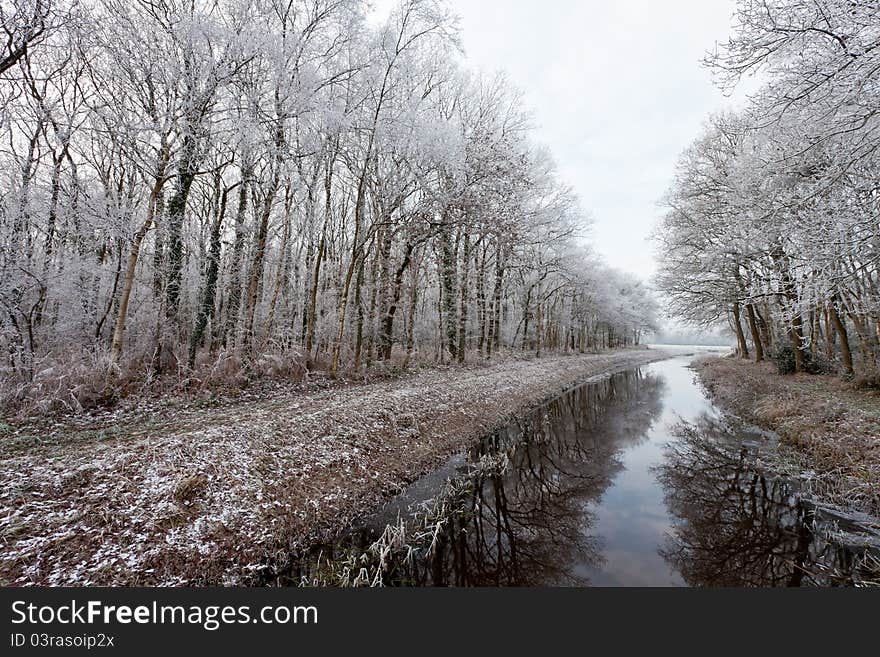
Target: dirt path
[(216, 495)]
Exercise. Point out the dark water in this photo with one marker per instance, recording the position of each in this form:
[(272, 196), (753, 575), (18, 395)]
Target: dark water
[(632, 480)]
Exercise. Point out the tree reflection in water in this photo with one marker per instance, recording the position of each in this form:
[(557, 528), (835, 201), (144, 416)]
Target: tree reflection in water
[(737, 525), (530, 523)]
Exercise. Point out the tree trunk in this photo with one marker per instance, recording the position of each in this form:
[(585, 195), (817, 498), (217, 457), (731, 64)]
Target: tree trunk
[(494, 340), (868, 359), (463, 311), (281, 272), (319, 258), (235, 275), (359, 308), (386, 337), (447, 281), (256, 270), (116, 344), (410, 329), (207, 297), (840, 327), (186, 173), (756, 334), (740, 336)]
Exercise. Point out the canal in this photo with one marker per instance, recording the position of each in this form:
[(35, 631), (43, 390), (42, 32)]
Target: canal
[(632, 479)]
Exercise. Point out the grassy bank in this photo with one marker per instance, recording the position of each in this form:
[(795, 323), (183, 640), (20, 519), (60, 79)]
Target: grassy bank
[(831, 428), (221, 494)]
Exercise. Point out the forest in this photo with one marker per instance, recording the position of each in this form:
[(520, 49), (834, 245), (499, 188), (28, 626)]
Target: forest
[(203, 192), (771, 223)]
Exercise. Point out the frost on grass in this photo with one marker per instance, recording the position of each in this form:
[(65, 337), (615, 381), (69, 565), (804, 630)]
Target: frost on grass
[(830, 431), (238, 489), (406, 540)]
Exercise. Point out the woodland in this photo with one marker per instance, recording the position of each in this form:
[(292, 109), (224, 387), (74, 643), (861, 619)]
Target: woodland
[(198, 193)]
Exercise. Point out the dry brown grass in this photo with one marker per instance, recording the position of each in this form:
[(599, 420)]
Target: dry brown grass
[(82, 382), (832, 427)]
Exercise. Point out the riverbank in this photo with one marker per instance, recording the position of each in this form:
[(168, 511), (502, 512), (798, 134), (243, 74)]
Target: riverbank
[(225, 494), (830, 431)]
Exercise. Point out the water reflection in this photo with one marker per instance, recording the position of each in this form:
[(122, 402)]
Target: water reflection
[(737, 525), (631, 480), (529, 524)]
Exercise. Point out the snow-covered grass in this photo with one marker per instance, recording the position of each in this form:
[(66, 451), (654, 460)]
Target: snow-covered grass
[(224, 493)]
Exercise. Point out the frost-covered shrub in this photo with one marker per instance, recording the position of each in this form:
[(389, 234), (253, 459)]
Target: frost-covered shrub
[(74, 382), (225, 370), (79, 382), (290, 366)]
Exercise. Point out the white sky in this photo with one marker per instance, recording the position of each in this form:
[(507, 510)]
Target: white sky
[(617, 92)]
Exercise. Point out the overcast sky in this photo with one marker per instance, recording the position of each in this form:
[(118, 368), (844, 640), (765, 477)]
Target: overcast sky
[(617, 92)]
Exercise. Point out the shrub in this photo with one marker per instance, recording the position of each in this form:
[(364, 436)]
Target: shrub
[(78, 382), (818, 364), (867, 381), (784, 357)]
